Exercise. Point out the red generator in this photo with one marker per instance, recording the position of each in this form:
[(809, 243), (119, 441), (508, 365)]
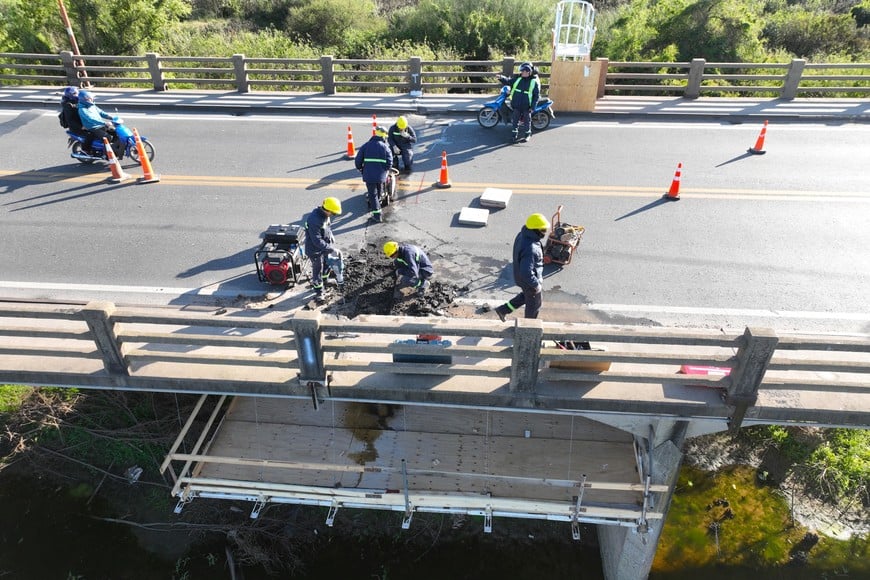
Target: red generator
[(280, 259)]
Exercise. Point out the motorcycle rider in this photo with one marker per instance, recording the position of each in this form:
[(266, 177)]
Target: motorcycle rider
[(96, 122), (413, 267), (319, 242), (401, 139), (373, 159), (70, 114), (524, 93)]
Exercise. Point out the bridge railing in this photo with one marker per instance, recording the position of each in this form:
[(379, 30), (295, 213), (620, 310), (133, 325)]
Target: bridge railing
[(756, 375), (329, 75)]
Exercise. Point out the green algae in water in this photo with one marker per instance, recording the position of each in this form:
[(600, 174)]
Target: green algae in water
[(725, 525)]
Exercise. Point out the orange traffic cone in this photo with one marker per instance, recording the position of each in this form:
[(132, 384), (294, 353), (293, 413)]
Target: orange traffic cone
[(118, 174), (148, 175), (673, 193), (759, 143), (374, 124), (351, 151), (443, 181)]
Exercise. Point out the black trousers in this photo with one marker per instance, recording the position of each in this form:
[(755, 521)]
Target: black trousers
[(374, 191), (530, 299)]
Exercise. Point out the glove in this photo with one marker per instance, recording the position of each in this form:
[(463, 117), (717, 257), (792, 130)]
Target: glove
[(539, 289), (405, 134)]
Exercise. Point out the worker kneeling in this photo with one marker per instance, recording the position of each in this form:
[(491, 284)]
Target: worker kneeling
[(413, 267)]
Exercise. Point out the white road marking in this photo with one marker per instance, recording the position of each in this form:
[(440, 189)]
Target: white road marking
[(690, 310)]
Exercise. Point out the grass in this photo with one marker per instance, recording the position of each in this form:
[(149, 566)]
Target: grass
[(11, 397), (724, 522)]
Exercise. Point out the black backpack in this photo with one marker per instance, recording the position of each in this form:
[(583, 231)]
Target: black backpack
[(62, 118)]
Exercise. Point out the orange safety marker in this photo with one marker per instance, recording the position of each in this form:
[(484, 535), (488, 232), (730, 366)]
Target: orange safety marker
[(118, 174), (443, 181), (759, 143), (374, 124), (351, 151), (673, 193), (148, 175)]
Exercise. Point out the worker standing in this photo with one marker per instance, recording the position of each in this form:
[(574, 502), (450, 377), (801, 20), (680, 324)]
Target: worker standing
[(374, 159), (319, 241), (528, 266), (413, 266), (401, 139)]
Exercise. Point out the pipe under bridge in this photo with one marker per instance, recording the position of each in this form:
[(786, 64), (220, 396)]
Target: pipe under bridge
[(490, 419)]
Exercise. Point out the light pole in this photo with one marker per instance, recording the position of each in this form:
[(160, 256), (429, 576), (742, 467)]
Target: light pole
[(83, 74)]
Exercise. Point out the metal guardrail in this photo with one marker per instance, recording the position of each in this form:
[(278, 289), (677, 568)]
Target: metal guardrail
[(755, 375), (329, 75)]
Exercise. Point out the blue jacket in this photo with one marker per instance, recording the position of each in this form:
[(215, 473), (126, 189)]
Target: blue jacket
[(318, 235), (528, 259), (524, 92), (92, 116), (374, 158), (411, 262)]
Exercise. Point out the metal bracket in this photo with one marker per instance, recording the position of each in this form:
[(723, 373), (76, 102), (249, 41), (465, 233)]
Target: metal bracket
[(330, 517), (258, 506), (642, 523), (185, 498), (575, 523), (487, 520), (409, 509)]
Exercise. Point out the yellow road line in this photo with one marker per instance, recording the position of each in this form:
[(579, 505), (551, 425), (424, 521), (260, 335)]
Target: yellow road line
[(422, 184)]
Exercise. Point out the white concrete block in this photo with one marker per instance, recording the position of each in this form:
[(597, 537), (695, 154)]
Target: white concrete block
[(495, 197), (473, 216)]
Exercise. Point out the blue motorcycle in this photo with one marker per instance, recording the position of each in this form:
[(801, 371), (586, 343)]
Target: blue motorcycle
[(499, 110), (122, 137)]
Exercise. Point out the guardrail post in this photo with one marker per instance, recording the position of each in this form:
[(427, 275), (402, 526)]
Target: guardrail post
[(155, 70), (306, 328), (327, 73), (507, 66), (753, 356), (69, 67), (416, 68), (602, 76), (241, 73), (528, 334), (696, 75), (792, 79), (98, 315)]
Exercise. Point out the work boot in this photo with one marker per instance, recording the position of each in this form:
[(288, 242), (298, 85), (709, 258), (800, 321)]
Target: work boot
[(377, 217), (502, 313), (527, 137), (514, 137)]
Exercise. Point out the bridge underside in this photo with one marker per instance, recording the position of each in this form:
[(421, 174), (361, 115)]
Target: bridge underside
[(412, 458)]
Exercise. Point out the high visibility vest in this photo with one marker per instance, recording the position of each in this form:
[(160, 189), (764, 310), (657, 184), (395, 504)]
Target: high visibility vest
[(528, 92)]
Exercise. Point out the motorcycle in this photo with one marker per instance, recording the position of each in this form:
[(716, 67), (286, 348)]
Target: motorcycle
[(500, 110), (122, 135)]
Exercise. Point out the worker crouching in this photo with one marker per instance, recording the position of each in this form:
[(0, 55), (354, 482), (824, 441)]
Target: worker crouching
[(413, 267)]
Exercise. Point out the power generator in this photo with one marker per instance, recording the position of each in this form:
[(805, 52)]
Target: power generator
[(281, 259)]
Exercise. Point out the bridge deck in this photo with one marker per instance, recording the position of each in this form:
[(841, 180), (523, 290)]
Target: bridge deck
[(451, 450)]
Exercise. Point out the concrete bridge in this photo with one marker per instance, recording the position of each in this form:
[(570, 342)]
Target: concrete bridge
[(491, 419)]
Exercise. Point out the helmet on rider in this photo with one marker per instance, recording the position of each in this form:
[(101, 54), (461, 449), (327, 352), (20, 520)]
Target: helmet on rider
[(380, 131), (71, 94), (332, 205), (526, 67), (402, 123), (390, 248), (86, 97), (537, 221)]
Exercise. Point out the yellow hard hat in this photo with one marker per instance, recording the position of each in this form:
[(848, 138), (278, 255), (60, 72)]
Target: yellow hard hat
[(537, 221), (380, 131), (402, 123), (332, 204), (391, 248)]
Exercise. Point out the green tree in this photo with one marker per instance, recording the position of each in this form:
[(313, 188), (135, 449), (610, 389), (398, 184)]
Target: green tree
[(334, 23), (807, 34), (477, 29)]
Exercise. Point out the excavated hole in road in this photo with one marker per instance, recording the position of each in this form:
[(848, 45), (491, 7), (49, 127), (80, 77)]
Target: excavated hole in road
[(369, 285)]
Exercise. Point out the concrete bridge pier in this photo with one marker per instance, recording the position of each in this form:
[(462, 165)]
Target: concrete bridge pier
[(627, 553)]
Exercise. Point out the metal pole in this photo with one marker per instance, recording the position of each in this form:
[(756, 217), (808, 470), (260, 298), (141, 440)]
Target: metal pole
[(75, 47)]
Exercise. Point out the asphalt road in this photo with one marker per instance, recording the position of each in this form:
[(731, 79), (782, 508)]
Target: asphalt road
[(781, 239)]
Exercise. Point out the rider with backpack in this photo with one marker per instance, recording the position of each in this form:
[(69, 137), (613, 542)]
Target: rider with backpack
[(69, 114)]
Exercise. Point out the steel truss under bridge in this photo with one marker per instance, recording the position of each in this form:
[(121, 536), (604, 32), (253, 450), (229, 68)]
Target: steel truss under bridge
[(415, 458)]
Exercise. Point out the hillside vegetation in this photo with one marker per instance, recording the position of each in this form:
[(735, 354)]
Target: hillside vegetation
[(628, 30)]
